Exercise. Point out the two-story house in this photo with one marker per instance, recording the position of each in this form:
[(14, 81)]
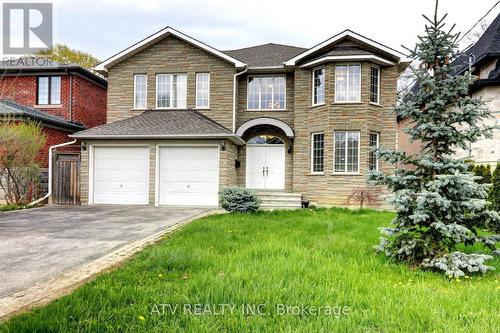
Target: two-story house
[(63, 98), (186, 120)]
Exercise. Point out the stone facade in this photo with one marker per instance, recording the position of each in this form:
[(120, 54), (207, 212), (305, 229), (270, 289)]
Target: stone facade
[(172, 55)]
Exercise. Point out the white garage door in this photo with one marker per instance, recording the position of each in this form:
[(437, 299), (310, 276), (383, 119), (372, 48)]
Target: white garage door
[(121, 175), (188, 176)]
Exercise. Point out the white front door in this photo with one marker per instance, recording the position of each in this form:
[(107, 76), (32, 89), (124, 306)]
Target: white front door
[(188, 176), (120, 175), (265, 167)]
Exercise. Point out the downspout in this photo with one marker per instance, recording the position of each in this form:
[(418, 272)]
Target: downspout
[(49, 192), (234, 97), (70, 96)]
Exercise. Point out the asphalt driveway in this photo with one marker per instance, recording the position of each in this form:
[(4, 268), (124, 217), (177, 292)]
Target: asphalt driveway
[(38, 244)]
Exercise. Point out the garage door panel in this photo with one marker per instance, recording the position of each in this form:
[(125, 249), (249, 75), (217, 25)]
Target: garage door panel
[(121, 175), (189, 176)]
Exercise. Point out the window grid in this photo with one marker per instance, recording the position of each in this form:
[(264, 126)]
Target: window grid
[(266, 93), (48, 90), (318, 86), (373, 155), (171, 90), (140, 91), (318, 151), (348, 83), (202, 90), (375, 85), (346, 150)]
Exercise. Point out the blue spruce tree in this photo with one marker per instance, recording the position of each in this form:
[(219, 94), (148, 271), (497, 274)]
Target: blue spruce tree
[(440, 206)]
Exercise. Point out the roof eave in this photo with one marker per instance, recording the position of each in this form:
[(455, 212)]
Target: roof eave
[(373, 58), (347, 33), (103, 67), (233, 137)]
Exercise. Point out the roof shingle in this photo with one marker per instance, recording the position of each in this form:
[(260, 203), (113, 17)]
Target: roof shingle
[(266, 55), (153, 123), (12, 109)]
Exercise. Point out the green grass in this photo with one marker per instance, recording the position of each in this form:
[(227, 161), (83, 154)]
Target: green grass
[(303, 258), (8, 208)]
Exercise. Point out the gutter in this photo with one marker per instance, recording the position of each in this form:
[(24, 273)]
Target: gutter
[(49, 192), (234, 96)]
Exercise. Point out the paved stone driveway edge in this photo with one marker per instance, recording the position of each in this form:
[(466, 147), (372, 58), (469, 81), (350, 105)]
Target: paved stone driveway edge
[(45, 292)]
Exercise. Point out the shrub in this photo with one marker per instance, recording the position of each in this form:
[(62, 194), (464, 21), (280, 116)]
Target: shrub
[(20, 143), (363, 195), (238, 199)]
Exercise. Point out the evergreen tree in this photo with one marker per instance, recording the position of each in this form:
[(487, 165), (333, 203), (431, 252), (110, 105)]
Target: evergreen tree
[(494, 196), (440, 208), (487, 174)]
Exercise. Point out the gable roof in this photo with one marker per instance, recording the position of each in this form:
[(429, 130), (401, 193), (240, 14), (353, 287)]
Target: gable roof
[(151, 39), (266, 55), (11, 109), (352, 35), (153, 124), (38, 65), (487, 45)]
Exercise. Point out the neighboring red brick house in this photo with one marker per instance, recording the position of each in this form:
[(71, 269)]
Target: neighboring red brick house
[(73, 97)]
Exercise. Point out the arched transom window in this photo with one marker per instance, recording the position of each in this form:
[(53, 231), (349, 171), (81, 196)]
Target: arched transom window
[(265, 140)]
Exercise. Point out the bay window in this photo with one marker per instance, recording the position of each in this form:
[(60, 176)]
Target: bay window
[(317, 152), (373, 155), (348, 83), (266, 93), (318, 86), (346, 152), (375, 85), (171, 91)]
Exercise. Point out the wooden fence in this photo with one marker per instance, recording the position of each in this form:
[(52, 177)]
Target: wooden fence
[(66, 179)]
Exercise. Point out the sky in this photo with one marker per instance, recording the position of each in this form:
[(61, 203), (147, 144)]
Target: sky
[(104, 27)]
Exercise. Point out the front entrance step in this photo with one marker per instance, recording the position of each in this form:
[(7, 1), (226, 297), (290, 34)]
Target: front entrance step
[(279, 200)]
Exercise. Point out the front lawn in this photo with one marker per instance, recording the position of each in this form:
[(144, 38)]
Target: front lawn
[(211, 275)]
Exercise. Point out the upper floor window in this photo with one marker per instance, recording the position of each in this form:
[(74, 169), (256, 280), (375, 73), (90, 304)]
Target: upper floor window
[(317, 152), (348, 83), (49, 90), (346, 152), (202, 90), (140, 91), (318, 86), (373, 154), (375, 85), (171, 91), (266, 93)]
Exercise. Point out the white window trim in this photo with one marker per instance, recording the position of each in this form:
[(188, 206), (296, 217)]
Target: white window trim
[(324, 87), (360, 81), (378, 85), (260, 93), (346, 154), (378, 145), (312, 154), (135, 89), (171, 87), (196, 90)]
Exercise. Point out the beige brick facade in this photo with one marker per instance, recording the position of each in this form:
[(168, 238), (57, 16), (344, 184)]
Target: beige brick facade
[(171, 55)]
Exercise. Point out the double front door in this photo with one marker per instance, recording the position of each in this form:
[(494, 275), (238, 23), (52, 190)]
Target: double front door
[(265, 167)]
